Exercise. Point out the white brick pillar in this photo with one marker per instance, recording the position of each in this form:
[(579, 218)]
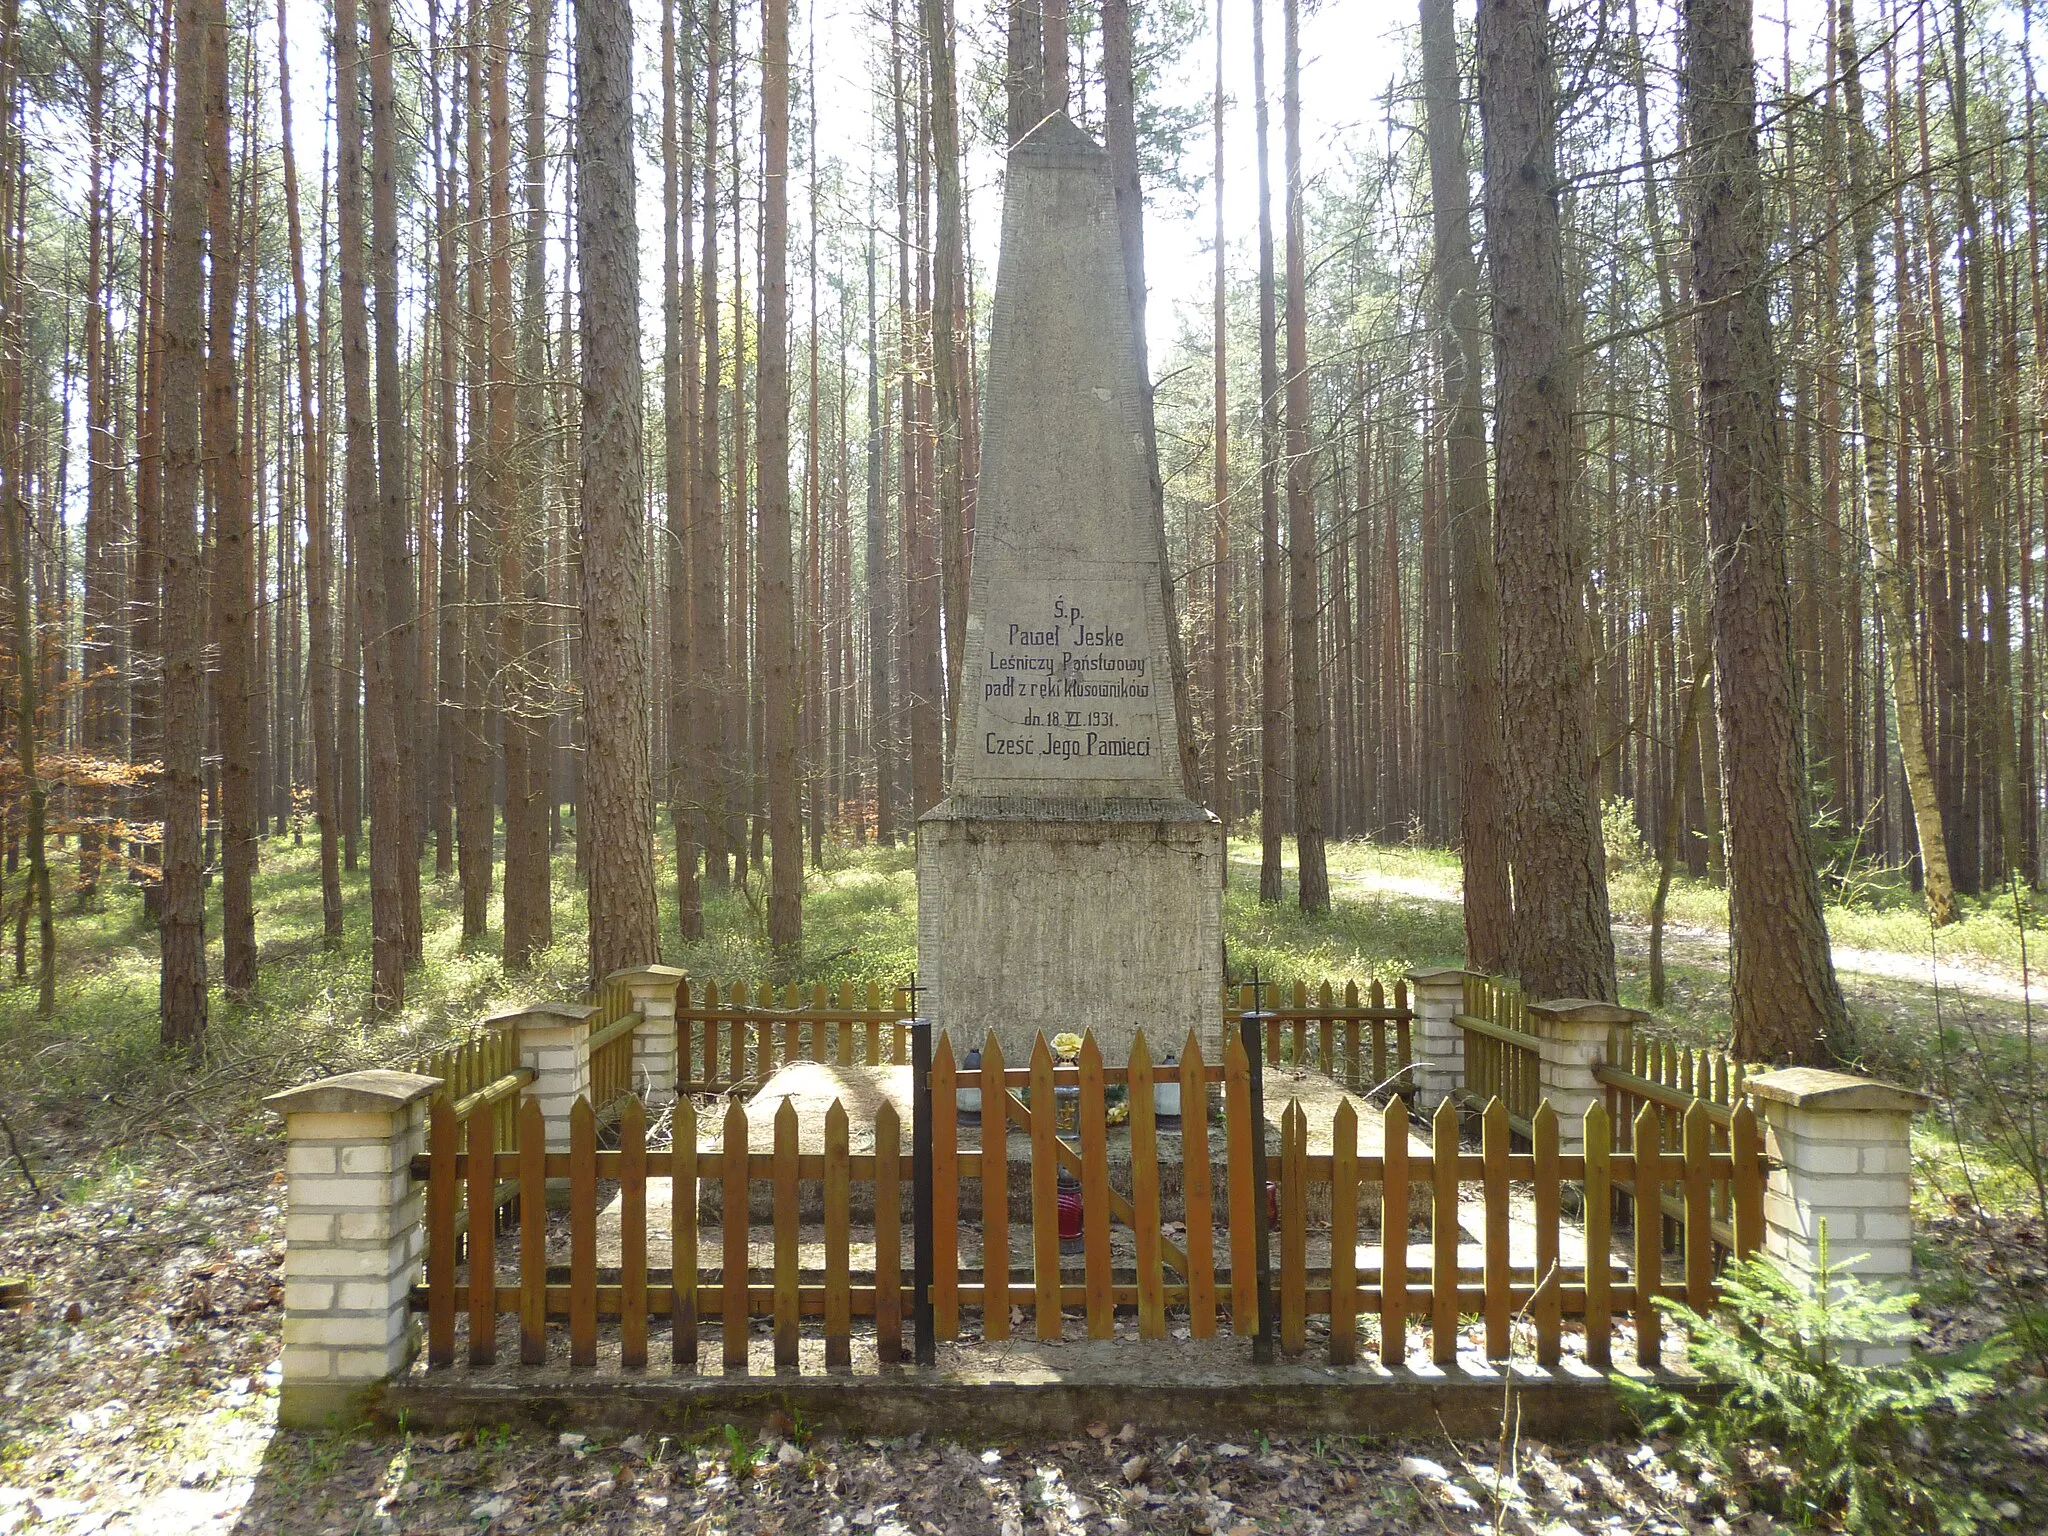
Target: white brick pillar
[(554, 1040), (653, 988), (353, 1238), (1574, 1032), (1842, 1156), (1438, 994)]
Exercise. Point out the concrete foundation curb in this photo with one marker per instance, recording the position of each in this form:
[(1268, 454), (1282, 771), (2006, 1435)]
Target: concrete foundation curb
[(1568, 1405)]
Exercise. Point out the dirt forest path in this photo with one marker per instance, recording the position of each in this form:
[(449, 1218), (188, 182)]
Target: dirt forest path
[(1883, 979)]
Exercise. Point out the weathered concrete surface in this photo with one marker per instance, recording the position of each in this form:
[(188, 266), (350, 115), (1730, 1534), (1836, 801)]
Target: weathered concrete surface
[(1030, 927), (1067, 879), (1036, 1393)]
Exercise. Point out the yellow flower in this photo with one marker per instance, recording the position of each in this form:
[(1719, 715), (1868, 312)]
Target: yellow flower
[(1066, 1045)]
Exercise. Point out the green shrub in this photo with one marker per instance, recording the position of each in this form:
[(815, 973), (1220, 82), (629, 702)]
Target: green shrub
[(1806, 1433)]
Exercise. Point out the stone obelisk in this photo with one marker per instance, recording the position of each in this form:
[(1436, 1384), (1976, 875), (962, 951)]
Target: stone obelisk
[(1067, 881)]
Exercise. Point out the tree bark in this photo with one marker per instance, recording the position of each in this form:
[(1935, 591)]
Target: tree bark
[(1219, 554), (1787, 1004), (1304, 587), (1891, 582), (181, 1002), (708, 676), (679, 449), (774, 612), (522, 560), (1482, 807), (229, 494), (1272, 705), (945, 344), (398, 635), (1563, 946), (618, 791)]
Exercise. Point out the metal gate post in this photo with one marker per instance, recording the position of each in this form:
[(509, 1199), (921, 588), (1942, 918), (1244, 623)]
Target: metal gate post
[(1253, 1028)]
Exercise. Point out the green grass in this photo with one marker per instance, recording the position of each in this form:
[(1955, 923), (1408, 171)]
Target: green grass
[(1395, 909)]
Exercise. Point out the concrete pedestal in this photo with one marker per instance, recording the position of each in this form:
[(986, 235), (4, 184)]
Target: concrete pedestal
[(1111, 922)]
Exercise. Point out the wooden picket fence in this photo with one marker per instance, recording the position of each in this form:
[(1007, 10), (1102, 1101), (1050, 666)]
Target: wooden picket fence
[(1493, 1221), (611, 1048), (740, 1033), (1644, 1073), (1364, 1042), (1503, 1060)]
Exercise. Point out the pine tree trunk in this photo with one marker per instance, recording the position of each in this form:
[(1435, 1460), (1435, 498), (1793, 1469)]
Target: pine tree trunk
[(449, 681), (1304, 588), (1563, 944), (1890, 581), (945, 343), (1482, 808), (366, 543), (182, 935), (1272, 702), (880, 586), (475, 797), (1787, 1004), (522, 560), (229, 526), (1219, 551), (679, 423), (397, 640), (618, 792), (708, 677), (774, 611)]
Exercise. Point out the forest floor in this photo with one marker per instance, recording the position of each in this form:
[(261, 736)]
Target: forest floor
[(143, 1197)]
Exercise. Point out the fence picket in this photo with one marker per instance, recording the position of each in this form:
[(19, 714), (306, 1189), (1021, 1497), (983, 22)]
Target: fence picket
[(945, 1191), (1045, 1199), (633, 1235), (786, 1210), (995, 1194), (1145, 1190), (838, 1242), (1649, 1234), (1699, 1211), (483, 1240), (1095, 1193), (683, 1237), (1293, 1229), (1748, 1181), (888, 1234), (533, 1237), (733, 1222), (1494, 1135), (1548, 1303), (1344, 1236), (1247, 1205), (1394, 1235), (1597, 1138), (1443, 1234), (582, 1234), (1326, 1043), (441, 1197), (1197, 1193)]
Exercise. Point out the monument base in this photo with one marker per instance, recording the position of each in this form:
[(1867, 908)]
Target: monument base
[(1108, 917)]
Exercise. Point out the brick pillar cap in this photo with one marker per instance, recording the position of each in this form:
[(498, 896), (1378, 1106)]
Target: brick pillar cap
[(1438, 973), (1586, 1010), (542, 1013), (655, 974), (1818, 1088), (354, 1093)]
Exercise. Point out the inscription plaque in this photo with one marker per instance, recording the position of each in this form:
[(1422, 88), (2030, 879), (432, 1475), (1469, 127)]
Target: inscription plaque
[(1067, 685)]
